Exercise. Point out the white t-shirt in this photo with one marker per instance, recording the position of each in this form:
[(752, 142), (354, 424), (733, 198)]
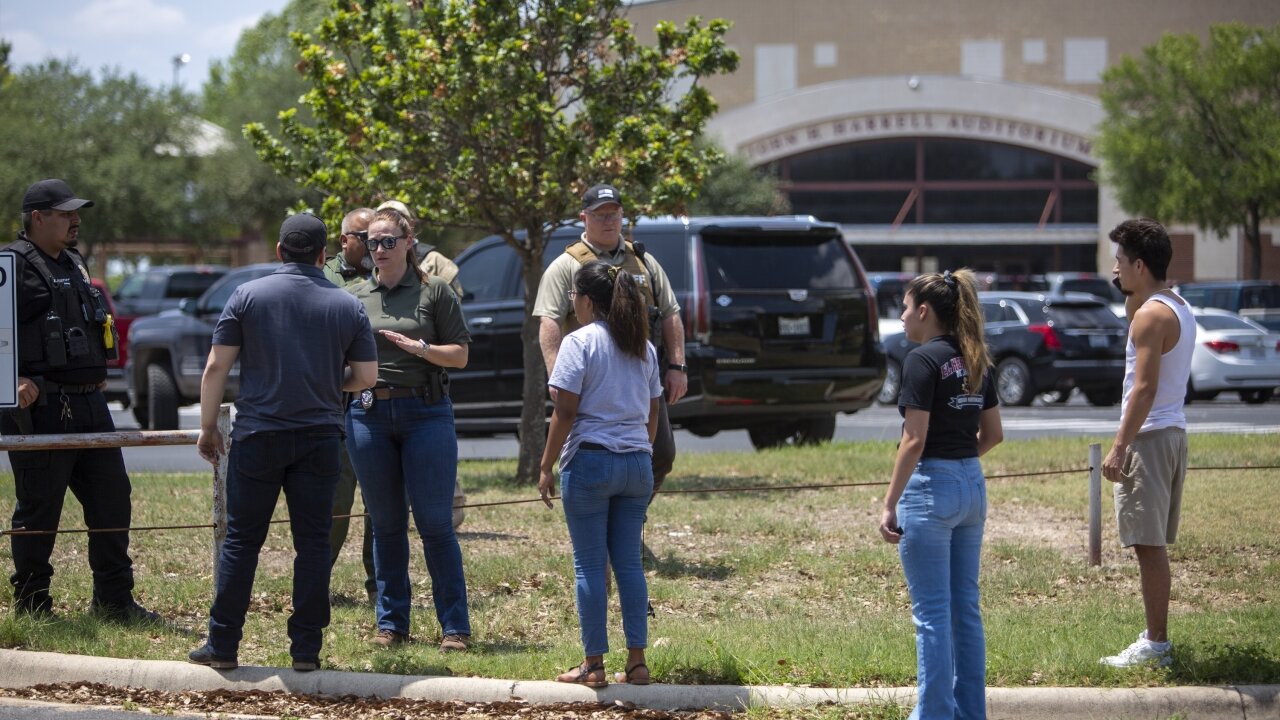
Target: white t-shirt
[(615, 390), (1175, 367)]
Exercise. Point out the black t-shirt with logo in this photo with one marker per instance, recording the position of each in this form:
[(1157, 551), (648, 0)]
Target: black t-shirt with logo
[(933, 378)]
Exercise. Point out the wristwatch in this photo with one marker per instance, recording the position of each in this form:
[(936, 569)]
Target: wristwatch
[(678, 366), (425, 347)]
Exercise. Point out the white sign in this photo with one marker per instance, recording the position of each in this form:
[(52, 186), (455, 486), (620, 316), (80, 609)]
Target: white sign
[(8, 333)]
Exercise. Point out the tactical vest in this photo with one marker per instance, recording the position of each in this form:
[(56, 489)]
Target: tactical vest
[(631, 264), (77, 332)]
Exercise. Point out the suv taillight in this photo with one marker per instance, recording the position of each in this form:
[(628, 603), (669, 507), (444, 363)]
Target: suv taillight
[(1051, 341), (698, 322), (1224, 346)]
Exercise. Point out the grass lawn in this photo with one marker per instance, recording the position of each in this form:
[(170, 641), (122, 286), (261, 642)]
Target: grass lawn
[(749, 587)]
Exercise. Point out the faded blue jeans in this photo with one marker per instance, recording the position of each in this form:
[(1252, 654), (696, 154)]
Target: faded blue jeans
[(399, 447), (942, 512), (605, 495)]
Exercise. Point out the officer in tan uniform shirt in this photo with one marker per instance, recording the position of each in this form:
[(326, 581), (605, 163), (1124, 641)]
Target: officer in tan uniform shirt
[(602, 216)]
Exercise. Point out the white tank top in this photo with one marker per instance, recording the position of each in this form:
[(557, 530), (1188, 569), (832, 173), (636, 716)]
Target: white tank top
[(1175, 368)]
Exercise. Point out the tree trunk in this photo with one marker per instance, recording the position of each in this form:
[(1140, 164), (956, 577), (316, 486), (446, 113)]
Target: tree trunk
[(1253, 236), (533, 418)]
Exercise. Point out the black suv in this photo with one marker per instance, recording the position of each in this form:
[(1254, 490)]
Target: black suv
[(1040, 344), (780, 327), (167, 352)]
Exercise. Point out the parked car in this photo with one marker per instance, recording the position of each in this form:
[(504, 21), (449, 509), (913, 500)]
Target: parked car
[(167, 352), (1257, 300), (1080, 282), (1233, 353), (161, 288), (780, 327), (117, 389), (1039, 344)]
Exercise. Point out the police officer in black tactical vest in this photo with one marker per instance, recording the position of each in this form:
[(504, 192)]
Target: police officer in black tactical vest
[(65, 338)]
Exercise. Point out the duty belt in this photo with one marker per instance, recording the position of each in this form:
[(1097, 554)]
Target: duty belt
[(54, 388), (389, 393)]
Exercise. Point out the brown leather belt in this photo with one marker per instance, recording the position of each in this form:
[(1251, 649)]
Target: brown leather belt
[(390, 393)]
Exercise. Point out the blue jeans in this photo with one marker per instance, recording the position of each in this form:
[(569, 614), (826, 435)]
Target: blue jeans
[(605, 495), (400, 447), (304, 463), (942, 512)]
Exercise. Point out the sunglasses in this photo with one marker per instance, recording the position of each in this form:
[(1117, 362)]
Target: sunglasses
[(387, 241), (361, 235)]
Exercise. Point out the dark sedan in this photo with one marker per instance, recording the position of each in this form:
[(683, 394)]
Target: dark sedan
[(1041, 343)]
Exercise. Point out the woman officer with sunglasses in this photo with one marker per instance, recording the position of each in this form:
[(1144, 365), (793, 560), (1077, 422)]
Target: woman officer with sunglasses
[(401, 435)]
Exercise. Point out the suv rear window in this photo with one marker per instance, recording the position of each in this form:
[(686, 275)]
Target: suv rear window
[(777, 261), (190, 284)]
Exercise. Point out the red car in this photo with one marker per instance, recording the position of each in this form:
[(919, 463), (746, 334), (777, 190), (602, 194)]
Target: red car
[(117, 388)]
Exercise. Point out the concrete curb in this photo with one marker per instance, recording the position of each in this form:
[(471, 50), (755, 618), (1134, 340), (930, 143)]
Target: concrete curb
[(23, 669)]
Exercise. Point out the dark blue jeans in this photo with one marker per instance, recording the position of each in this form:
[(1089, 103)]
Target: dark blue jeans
[(401, 447), (304, 463)]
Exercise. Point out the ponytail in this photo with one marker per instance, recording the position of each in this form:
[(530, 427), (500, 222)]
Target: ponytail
[(954, 299), (618, 295)]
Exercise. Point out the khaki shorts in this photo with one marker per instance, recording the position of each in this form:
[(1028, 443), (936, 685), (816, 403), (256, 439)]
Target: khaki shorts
[(1149, 499)]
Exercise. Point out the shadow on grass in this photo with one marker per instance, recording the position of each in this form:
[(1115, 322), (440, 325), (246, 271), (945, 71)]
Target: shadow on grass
[(1205, 663), (669, 566), (462, 535)]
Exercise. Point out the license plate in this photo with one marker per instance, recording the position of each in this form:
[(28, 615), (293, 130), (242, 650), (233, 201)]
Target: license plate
[(793, 326), (1099, 341)]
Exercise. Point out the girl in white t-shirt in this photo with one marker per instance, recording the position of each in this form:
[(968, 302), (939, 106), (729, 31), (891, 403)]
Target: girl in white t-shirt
[(602, 430)]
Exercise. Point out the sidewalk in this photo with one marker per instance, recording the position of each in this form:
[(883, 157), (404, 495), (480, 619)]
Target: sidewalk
[(24, 669)]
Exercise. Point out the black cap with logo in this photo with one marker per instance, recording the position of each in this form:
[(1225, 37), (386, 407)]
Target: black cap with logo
[(599, 195)]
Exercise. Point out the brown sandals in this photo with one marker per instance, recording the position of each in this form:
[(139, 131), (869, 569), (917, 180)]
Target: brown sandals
[(625, 677), (581, 675)]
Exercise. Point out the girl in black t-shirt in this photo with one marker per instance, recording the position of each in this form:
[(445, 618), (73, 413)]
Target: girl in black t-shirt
[(937, 501)]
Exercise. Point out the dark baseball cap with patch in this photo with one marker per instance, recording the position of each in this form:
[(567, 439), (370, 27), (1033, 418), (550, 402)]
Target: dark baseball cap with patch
[(52, 194), (303, 233), (599, 195)]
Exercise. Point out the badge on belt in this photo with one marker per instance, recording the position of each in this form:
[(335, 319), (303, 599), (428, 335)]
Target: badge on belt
[(366, 398)]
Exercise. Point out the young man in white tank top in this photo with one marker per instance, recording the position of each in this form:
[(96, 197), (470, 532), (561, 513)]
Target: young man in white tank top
[(1148, 459)]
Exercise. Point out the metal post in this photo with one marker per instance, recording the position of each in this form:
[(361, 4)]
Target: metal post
[(220, 486), (1095, 504)]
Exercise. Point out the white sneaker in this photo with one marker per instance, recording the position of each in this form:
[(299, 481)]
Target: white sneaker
[(1142, 652)]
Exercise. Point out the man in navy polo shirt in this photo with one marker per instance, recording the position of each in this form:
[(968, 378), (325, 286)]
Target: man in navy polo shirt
[(301, 343)]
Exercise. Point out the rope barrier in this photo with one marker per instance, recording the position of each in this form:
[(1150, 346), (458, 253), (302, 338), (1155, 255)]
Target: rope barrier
[(670, 491)]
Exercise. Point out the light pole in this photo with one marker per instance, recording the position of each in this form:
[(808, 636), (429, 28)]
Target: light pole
[(178, 62)]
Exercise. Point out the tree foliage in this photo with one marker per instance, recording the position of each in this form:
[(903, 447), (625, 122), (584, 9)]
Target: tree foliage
[(260, 80), (734, 187), (1192, 132), (115, 140), (495, 115)]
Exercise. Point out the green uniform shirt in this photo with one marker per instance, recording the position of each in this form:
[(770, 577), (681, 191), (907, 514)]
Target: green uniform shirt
[(339, 272), (423, 312)]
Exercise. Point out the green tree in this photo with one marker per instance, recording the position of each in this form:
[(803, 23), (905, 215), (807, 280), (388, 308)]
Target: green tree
[(1192, 132), (495, 116), (733, 187), (115, 140), (258, 81)]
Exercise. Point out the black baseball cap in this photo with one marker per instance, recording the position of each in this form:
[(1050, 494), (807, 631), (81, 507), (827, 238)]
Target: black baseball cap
[(52, 194), (303, 233), (599, 195)]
